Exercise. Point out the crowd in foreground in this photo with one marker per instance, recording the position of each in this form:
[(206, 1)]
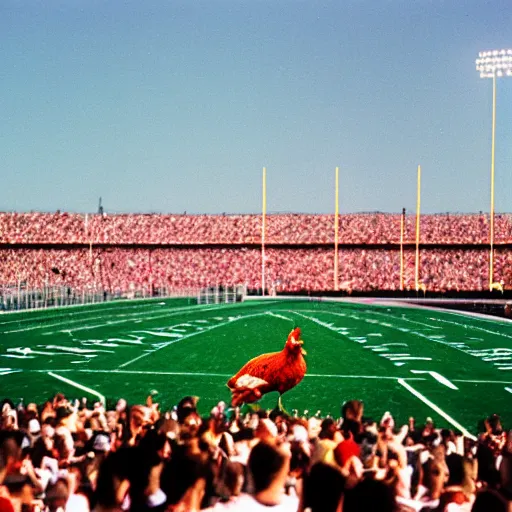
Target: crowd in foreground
[(69, 457)]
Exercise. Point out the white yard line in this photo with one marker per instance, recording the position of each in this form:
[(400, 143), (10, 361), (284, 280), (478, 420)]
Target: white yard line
[(207, 374), (7, 372), (440, 378), (466, 327), (277, 315), (330, 327), (141, 315), (33, 315), (79, 386), (469, 381), (377, 377), (404, 319), (141, 372), (134, 316), (435, 408)]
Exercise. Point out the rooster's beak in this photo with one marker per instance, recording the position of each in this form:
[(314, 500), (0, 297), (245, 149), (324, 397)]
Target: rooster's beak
[(304, 353)]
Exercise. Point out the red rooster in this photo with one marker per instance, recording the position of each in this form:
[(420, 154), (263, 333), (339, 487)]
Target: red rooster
[(277, 371)]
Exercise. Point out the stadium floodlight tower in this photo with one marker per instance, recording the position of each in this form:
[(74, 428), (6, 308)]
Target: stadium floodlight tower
[(493, 64)]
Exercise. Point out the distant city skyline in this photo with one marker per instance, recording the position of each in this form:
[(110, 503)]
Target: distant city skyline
[(177, 106)]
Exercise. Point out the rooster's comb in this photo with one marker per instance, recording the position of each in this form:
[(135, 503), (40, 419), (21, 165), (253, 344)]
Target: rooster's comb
[(294, 334)]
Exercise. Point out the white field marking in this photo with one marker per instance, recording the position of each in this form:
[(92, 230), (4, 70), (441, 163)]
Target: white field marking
[(369, 320), (384, 345), (391, 357), (438, 377), (79, 386), (508, 389), (470, 381), (404, 319), (415, 333), (207, 374), (28, 351), (75, 350), (136, 341), (405, 358), (65, 311), (328, 326), (202, 331), (163, 334), (482, 329), (376, 377), (84, 317), (437, 409), (277, 315), (141, 372), (134, 317), (7, 371), (17, 357)]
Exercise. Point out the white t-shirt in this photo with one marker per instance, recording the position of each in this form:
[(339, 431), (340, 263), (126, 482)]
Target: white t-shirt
[(247, 503), (77, 503)]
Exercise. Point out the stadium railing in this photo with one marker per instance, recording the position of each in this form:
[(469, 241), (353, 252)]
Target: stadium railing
[(220, 294), (21, 297)]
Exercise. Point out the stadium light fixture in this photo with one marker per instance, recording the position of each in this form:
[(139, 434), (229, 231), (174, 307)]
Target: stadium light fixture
[(493, 64)]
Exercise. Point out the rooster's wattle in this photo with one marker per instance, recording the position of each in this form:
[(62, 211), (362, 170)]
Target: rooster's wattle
[(277, 371)]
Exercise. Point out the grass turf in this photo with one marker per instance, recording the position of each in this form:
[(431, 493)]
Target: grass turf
[(410, 361)]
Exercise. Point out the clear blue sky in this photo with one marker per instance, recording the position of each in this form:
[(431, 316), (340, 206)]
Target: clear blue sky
[(177, 105)]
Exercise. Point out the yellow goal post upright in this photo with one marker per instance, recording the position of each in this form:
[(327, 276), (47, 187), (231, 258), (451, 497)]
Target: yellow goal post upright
[(417, 283), (402, 228), (336, 228), (263, 227)]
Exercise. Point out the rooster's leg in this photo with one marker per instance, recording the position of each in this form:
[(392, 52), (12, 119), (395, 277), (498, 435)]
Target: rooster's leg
[(280, 406)]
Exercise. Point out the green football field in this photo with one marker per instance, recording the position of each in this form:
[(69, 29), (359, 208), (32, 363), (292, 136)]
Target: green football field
[(422, 362)]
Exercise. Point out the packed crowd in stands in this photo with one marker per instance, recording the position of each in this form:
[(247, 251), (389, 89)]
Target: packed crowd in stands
[(287, 269), (371, 228), (78, 457), (121, 262)]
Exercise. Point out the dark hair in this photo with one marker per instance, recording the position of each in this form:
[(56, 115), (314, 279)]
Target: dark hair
[(39, 451), (489, 500), (370, 496), (299, 459), (153, 441), (455, 465), (265, 462), (116, 465), (143, 461), (495, 424), (323, 488), (351, 427), (181, 473), (229, 479), (353, 410)]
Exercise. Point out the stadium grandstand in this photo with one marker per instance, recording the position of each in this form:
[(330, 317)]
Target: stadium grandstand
[(122, 253)]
